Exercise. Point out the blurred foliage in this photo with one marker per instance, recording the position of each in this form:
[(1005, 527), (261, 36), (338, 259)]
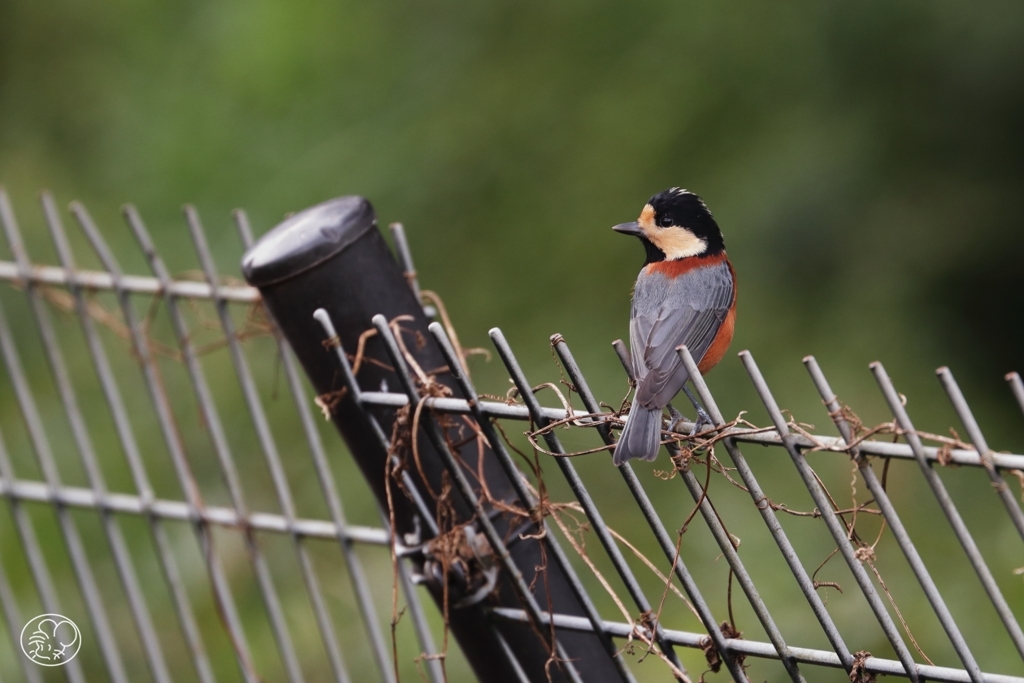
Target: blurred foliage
[(865, 161)]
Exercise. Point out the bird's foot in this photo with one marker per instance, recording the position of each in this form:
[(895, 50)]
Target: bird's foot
[(676, 418), (703, 421)]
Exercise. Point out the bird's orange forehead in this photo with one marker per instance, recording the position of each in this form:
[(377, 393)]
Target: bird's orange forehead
[(646, 221)]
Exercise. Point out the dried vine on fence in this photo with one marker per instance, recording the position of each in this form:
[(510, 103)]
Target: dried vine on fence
[(452, 553)]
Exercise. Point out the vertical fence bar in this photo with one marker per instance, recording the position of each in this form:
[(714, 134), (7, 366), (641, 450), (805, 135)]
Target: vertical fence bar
[(168, 427), (1017, 386), (435, 672), (516, 477), (771, 520), (8, 603), (956, 397), (351, 385), (69, 530), (511, 656), (409, 271), (674, 557), (273, 460), (466, 490), (582, 495), (725, 543), (126, 435), (835, 526), (222, 450), (405, 256), (34, 556), (136, 600), (949, 508), (434, 666), (899, 532), (325, 477), (44, 455), (743, 578), (14, 623)]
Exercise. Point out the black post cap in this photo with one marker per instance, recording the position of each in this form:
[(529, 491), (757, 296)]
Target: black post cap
[(307, 239)]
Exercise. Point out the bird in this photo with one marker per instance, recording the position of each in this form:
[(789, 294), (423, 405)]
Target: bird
[(685, 294)]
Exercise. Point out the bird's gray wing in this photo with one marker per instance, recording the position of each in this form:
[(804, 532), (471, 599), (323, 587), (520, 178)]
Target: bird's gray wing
[(668, 313)]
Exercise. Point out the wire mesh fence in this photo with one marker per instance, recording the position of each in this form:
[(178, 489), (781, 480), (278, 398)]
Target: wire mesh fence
[(163, 491)]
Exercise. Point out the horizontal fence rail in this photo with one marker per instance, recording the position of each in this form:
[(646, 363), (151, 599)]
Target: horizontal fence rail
[(244, 606)]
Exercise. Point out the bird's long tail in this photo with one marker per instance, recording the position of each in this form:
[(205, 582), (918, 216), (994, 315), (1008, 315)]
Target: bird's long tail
[(641, 436)]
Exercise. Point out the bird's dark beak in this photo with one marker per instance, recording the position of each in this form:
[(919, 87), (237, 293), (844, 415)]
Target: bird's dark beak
[(628, 228)]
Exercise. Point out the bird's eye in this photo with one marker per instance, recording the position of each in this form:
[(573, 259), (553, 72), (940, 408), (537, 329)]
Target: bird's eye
[(665, 221)]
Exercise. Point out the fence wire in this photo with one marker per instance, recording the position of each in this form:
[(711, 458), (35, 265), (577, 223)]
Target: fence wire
[(161, 603)]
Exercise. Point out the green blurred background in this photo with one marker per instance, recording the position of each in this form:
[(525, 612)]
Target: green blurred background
[(864, 160)]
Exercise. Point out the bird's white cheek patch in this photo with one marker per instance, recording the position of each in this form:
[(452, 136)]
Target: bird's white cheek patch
[(678, 243)]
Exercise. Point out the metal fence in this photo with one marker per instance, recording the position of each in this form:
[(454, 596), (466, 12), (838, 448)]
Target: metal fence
[(131, 621)]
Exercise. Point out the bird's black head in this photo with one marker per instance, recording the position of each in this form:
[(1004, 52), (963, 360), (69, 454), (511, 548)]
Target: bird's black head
[(676, 224)]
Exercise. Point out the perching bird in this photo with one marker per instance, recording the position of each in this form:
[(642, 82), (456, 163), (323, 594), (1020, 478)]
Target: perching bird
[(685, 294)]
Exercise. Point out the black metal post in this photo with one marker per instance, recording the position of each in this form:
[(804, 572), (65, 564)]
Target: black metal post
[(332, 256)]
